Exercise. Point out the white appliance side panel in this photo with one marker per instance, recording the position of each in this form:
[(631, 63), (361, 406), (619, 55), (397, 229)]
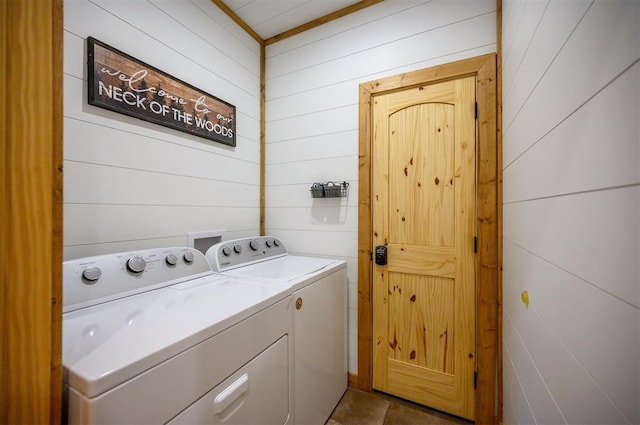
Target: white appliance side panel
[(160, 393), (320, 348), (255, 394)]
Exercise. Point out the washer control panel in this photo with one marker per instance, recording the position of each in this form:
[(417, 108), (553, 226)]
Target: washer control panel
[(242, 252), (94, 280)]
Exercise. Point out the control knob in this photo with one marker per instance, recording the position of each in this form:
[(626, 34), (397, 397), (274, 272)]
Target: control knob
[(237, 249), (171, 259), (136, 264), (92, 273), (226, 251), (253, 245), (276, 243), (188, 257), (268, 243)]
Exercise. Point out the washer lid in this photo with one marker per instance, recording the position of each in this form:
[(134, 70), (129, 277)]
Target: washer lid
[(291, 269), (108, 344)]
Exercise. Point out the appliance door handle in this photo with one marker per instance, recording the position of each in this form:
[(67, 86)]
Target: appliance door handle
[(231, 394)]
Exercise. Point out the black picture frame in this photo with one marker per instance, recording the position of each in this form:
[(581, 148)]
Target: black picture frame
[(123, 84)]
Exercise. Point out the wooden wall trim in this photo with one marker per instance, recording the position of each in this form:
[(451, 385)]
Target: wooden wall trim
[(57, 94), (484, 68), (4, 240), (238, 20), (500, 395), (321, 21), (365, 302), (31, 221), (262, 142)]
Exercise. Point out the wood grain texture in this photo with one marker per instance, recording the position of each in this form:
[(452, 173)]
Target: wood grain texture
[(424, 194), (31, 230), (421, 185), (262, 140), (4, 223), (380, 275), (57, 213), (423, 331), (499, 355), (488, 261), (364, 241), (484, 68)]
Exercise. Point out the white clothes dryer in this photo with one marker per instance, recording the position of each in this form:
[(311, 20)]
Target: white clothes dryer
[(319, 289), (154, 337)]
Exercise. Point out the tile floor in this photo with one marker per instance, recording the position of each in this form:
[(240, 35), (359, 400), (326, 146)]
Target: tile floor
[(363, 408)]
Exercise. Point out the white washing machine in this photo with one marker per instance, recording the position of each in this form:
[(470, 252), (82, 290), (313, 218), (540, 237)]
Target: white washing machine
[(319, 289), (154, 336)]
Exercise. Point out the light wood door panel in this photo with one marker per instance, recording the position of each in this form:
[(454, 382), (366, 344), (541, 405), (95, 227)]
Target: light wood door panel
[(423, 212)]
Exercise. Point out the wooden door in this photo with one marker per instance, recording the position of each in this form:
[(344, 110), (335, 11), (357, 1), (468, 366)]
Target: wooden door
[(424, 213)]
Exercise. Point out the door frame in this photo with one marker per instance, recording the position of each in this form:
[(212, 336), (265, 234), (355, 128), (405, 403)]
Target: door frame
[(488, 188)]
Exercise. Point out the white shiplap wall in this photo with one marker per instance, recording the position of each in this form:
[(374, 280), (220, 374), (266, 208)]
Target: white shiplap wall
[(129, 184), (571, 211), (312, 112)]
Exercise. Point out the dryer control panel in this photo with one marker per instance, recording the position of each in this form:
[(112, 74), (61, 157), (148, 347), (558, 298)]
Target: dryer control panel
[(93, 280), (242, 252)]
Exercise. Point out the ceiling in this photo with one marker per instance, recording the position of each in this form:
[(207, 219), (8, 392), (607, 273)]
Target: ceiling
[(271, 18)]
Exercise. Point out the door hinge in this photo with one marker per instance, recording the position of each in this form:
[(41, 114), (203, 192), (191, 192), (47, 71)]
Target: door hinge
[(476, 110), (475, 244), (475, 380)]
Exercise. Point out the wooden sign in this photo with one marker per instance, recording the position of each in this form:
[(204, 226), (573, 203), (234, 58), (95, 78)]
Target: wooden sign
[(126, 85)]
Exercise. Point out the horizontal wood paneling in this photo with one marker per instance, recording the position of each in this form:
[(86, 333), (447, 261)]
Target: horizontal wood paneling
[(236, 48), (289, 196), (323, 146), (565, 303), (312, 110), (334, 169), (517, 408), (167, 45), (334, 120), (540, 403), (591, 235), (405, 21), (154, 188), (422, 47), (571, 208), (132, 184), (112, 146), (91, 223), (601, 62), (317, 242), (594, 146), (532, 13), (563, 375), (310, 100), (326, 216), (559, 20)]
